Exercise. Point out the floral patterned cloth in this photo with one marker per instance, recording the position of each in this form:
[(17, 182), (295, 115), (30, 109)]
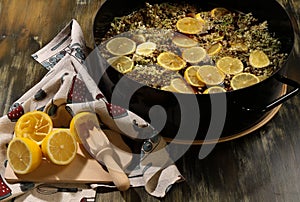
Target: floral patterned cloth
[(68, 89)]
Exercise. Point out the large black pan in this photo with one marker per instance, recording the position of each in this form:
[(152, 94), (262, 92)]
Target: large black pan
[(202, 116)]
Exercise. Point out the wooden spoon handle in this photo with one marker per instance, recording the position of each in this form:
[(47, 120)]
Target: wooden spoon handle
[(118, 176)]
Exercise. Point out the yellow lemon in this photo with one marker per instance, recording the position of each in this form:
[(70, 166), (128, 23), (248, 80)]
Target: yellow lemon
[(60, 147), (145, 48), (218, 12), (184, 41), (210, 75), (194, 54), (170, 61), (214, 89), (230, 65), (82, 119), (190, 75), (258, 59), (168, 88), (121, 46), (24, 155), (189, 25), (243, 80), (181, 86), (214, 49), (123, 64), (34, 125)]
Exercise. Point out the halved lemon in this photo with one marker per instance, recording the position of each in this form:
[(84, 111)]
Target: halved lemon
[(145, 48), (258, 59), (184, 41), (230, 65), (190, 75), (60, 147), (123, 64), (210, 75), (243, 80), (170, 61), (189, 25), (214, 89), (194, 55), (35, 125), (121, 46), (181, 86), (83, 119), (24, 155), (214, 49)]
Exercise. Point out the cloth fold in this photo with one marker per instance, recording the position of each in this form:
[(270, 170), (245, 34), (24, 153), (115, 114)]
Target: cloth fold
[(68, 89)]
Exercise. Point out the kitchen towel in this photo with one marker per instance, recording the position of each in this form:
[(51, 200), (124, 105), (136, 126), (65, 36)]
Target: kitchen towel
[(68, 89)]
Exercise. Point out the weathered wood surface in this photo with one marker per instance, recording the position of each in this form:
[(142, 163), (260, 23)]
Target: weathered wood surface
[(263, 166)]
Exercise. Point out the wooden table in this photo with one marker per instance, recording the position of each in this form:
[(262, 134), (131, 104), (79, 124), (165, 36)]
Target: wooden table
[(262, 166)]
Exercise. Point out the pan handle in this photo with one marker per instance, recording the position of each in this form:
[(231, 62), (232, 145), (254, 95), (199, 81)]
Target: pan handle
[(294, 91)]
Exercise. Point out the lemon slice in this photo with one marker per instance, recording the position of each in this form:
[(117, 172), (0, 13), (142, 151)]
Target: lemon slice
[(230, 65), (190, 75), (219, 12), (214, 89), (258, 59), (170, 61), (24, 155), (184, 41), (60, 147), (194, 55), (145, 48), (34, 125), (262, 77), (198, 17), (181, 86), (121, 46), (243, 80), (214, 49), (210, 75), (189, 25), (168, 88), (123, 64)]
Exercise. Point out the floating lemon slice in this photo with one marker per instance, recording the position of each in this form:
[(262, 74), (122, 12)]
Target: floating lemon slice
[(189, 25), (121, 46), (243, 80), (210, 75), (170, 61), (194, 55), (198, 17), (190, 75), (168, 88), (258, 59), (214, 49), (145, 48), (24, 155), (181, 86), (184, 41), (230, 65), (219, 12), (262, 77), (123, 64), (35, 125), (60, 147), (214, 89)]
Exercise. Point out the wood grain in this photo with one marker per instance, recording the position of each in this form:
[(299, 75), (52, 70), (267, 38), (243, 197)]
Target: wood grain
[(262, 166)]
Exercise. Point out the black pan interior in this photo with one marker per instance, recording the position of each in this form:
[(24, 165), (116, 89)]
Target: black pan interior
[(270, 10)]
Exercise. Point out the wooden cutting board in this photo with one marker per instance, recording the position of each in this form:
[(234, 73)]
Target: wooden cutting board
[(83, 169)]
